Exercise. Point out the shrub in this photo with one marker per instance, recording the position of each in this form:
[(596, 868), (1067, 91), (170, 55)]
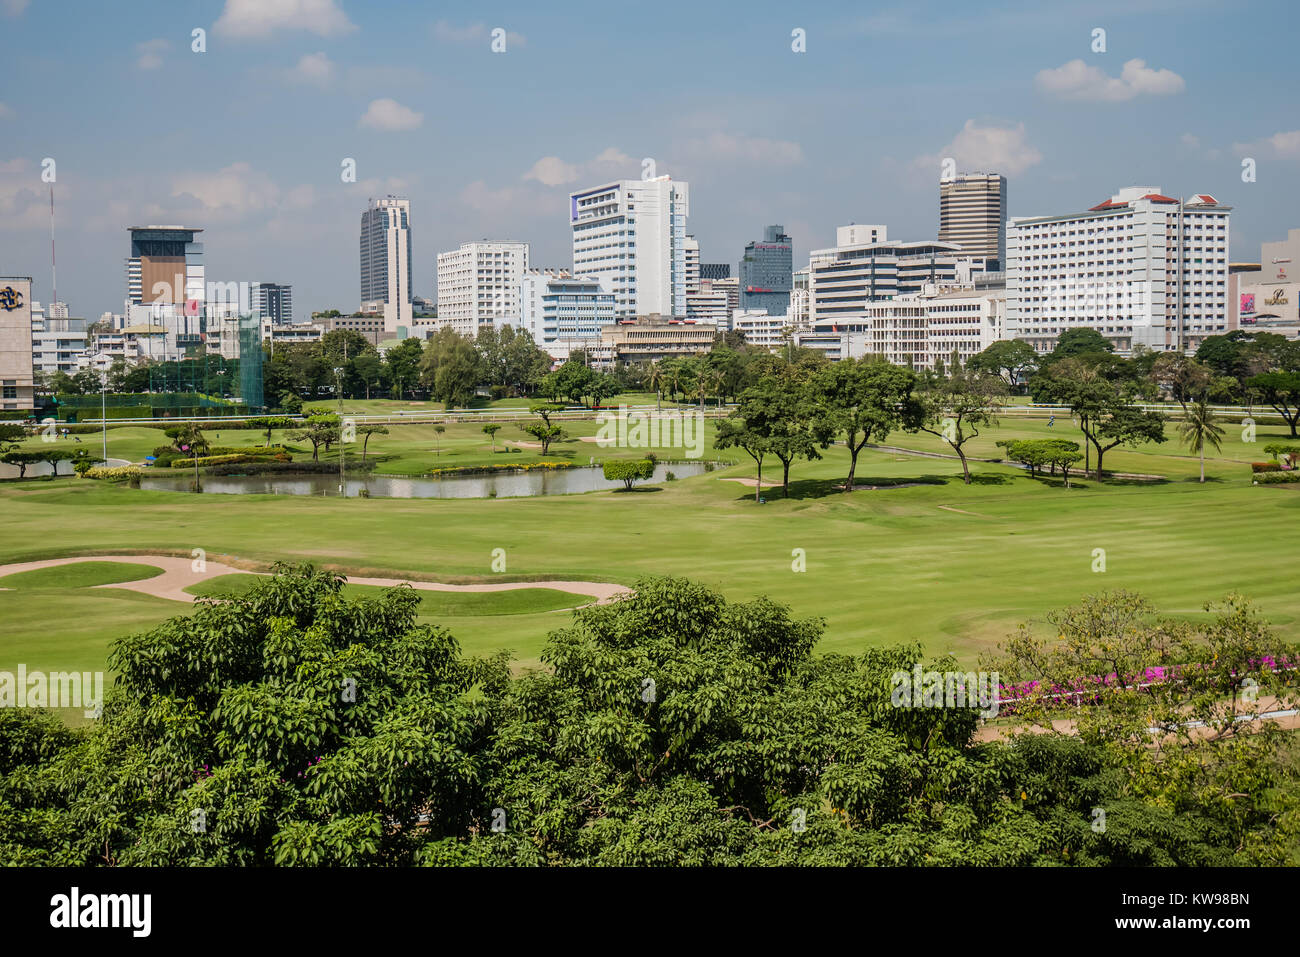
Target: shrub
[(1265, 466), (1277, 478), (115, 474), (628, 471)]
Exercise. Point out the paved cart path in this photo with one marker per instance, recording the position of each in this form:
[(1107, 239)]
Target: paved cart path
[(178, 574)]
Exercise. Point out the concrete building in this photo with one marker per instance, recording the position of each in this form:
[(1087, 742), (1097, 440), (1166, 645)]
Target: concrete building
[(647, 338), (762, 329), (715, 270), (692, 265), (58, 345), (272, 300), (766, 272), (373, 327), (1141, 268), (1265, 296), (386, 261), (973, 214), (865, 267), (165, 284), (17, 385), (478, 285), (632, 235), (712, 303), (563, 312)]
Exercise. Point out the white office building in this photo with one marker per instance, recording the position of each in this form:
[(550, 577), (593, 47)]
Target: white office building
[(1141, 268), (563, 312), (712, 302), (692, 265), (760, 329), (632, 234), (386, 261), (478, 285)]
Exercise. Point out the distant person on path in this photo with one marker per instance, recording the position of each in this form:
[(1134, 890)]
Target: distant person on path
[(1051, 422)]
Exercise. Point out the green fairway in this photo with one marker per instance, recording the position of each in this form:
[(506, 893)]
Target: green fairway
[(433, 604), (78, 575), (956, 567)]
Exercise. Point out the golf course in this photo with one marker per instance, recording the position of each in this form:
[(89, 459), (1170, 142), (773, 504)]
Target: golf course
[(913, 554)]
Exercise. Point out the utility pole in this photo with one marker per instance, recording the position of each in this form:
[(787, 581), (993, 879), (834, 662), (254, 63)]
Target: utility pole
[(103, 416), (338, 387)]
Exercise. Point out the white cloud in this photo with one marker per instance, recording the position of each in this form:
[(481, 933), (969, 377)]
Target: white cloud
[(1190, 140), (258, 19), (23, 201), (993, 149), (234, 191), (1077, 80), (552, 171), (1281, 145), (609, 163), (472, 34), (750, 150), (513, 202), (13, 8), (315, 69), (386, 114), (150, 53)]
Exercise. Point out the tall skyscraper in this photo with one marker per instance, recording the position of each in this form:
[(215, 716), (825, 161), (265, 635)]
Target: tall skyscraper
[(386, 261), (1140, 268), (478, 285), (632, 235), (765, 273), (715, 271), (274, 301), (692, 265), (973, 214), (165, 284)]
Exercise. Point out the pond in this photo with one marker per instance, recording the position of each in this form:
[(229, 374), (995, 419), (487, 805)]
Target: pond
[(499, 484)]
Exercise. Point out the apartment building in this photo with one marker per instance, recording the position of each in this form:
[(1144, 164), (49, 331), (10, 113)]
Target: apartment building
[(1141, 268), (563, 312), (478, 285), (632, 235)]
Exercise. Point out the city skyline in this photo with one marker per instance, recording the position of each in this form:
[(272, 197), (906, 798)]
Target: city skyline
[(250, 139)]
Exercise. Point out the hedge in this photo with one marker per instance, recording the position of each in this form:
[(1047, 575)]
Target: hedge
[(1265, 467), (203, 461), (114, 474), (1277, 478)]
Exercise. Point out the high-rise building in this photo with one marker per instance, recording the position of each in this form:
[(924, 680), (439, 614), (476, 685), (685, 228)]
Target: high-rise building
[(973, 214), (766, 271), (692, 265), (715, 270), (1140, 268), (564, 312), (632, 234), (865, 267), (274, 301), (17, 389), (165, 284), (386, 261), (478, 285)]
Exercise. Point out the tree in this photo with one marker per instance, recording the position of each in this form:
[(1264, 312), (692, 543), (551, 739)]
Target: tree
[(320, 429), (1181, 377), (1199, 427), (404, 362), (1036, 454), (1106, 416), (543, 433), (628, 471), (47, 453), (438, 430), (187, 437), (735, 432), (778, 411), (1012, 359), (117, 375), (491, 430), (270, 423), (1281, 390), (865, 400), (450, 368), (956, 410), (1080, 341), (368, 431), (11, 436)]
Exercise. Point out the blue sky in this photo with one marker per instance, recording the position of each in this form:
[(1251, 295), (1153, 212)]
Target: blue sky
[(247, 138)]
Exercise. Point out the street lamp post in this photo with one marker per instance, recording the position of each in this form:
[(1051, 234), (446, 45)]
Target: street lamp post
[(103, 417)]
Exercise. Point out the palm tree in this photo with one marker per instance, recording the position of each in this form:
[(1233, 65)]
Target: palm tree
[(1198, 428), (656, 381)]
